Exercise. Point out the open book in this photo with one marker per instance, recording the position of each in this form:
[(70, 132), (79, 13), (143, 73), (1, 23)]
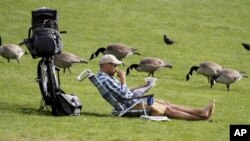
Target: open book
[(150, 81)]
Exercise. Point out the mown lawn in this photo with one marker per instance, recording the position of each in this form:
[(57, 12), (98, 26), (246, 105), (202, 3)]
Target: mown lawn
[(205, 30)]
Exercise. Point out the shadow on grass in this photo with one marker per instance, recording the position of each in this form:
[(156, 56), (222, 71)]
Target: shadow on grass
[(48, 112), (95, 114), (23, 109), (33, 111), (29, 110)]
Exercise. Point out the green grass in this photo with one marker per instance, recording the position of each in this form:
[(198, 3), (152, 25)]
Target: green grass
[(205, 30)]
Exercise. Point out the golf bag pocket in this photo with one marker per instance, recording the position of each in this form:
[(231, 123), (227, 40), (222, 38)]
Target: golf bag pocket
[(46, 42), (69, 104)]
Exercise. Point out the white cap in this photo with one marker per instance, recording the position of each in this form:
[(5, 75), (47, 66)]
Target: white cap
[(109, 58)]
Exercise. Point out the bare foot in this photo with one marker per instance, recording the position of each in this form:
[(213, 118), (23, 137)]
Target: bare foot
[(208, 110), (212, 110)]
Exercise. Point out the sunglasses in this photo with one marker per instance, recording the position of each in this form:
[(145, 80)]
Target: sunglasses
[(115, 65)]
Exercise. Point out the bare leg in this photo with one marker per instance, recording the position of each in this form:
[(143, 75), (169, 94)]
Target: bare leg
[(176, 114), (204, 112), (181, 112)]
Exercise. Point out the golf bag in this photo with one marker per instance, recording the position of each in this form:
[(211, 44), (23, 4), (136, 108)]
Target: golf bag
[(44, 39)]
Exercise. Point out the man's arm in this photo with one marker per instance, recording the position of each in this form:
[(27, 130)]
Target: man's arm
[(115, 87), (145, 85), (139, 91)]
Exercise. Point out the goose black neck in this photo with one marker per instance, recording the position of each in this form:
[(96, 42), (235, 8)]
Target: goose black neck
[(100, 50), (194, 68), (133, 66), (94, 55)]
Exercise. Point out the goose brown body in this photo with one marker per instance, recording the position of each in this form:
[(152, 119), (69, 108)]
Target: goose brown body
[(120, 51), (11, 51), (207, 69), (227, 76), (65, 60), (150, 65)]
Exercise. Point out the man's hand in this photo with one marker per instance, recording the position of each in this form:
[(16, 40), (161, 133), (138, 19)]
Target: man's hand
[(121, 74)]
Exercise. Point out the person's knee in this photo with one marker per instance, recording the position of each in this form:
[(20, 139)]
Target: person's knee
[(167, 102), (168, 111), (163, 102)]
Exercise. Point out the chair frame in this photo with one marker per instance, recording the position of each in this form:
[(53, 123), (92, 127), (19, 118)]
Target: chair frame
[(119, 110)]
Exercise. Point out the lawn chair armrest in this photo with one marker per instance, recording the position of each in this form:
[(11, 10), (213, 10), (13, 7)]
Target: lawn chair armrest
[(149, 98), (141, 97)]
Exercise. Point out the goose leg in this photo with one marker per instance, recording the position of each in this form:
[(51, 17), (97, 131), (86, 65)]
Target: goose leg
[(149, 73), (123, 63), (212, 83), (228, 89), (69, 70)]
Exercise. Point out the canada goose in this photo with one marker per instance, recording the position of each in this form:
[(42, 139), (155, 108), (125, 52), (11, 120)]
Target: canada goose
[(207, 69), (167, 40), (65, 60), (246, 46), (227, 76), (149, 64), (120, 51), (11, 51)]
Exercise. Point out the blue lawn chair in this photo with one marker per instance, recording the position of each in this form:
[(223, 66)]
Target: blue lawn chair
[(119, 109)]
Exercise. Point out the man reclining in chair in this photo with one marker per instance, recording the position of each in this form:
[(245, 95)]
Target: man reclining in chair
[(108, 67)]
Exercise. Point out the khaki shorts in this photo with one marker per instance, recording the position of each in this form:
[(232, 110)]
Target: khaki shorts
[(158, 108)]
